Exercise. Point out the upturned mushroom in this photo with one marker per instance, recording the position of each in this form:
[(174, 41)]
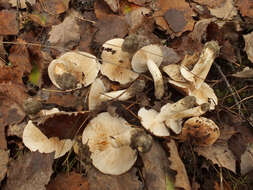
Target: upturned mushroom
[(149, 58), (170, 116), (98, 93), (200, 130), (73, 70), (116, 63), (113, 143), (191, 81), (35, 140)]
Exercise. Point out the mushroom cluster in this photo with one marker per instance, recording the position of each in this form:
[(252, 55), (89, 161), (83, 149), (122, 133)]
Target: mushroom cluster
[(190, 75), (112, 141)]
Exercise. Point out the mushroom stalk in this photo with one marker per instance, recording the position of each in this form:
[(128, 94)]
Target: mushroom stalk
[(157, 77)]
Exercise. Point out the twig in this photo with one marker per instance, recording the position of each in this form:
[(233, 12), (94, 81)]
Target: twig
[(237, 103)]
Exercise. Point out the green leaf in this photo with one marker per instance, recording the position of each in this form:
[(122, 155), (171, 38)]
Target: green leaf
[(35, 75), (169, 184)]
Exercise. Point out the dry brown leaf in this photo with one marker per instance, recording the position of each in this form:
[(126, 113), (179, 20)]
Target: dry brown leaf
[(127, 181), (2, 50), (113, 4), (177, 14), (22, 3), (245, 7), (3, 143), (110, 27), (4, 155), (65, 33), (156, 170), (210, 3), (8, 22), (140, 2), (55, 6), (71, 181), (182, 180), (247, 160), (248, 38), (220, 154), (226, 11), (31, 171), (9, 73), (19, 57)]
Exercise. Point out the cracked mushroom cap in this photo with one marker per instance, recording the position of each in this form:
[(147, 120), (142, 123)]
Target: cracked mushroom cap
[(98, 135), (203, 131), (73, 69), (35, 140), (116, 63), (140, 58)]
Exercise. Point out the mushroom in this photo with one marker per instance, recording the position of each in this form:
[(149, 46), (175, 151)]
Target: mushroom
[(150, 58), (116, 63), (35, 140), (200, 70), (98, 93), (169, 117), (73, 69), (203, 131), (111, 141)]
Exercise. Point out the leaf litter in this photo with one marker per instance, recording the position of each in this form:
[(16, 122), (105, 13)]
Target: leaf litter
[(181, 29)]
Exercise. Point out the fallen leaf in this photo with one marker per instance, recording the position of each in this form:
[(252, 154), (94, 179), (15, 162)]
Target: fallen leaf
[(110, 27), (16, 129), (245, 7), (170, 56), (127, 181), (55, 6), (177, 14), (71, 181), (19, 57), (113, 4), (101, 9), (2, 50), (22, 3), (157, 168), (3, 143), (181, 180), (248, 38), (245, 73), (9, 73), (4, 155), (247, 160), (44, 19), (140, 2), (65, 33), (8, 22), (31, 171), (220, 154), (210, 3), (226, 11)]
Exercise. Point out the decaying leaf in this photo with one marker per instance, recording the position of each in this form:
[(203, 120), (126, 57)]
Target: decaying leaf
[(31, 171), (226, 11), (65, 33), (220, 154), (113, 4), (127, 181), (8, 22), (71, 181), (55, 6), (22, 3), (156, 168), (181, 180), (4, 155), (177, 16), (3, 143), (247, 160), (210, 3), (248, 38), (245, 7)]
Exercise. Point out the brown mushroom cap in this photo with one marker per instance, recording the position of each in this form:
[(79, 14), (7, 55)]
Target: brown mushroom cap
[(78, 67), (106, 157), (116, 63), (202, 130)]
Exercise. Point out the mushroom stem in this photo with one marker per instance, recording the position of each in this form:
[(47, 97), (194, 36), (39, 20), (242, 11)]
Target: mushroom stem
[(192, 112), (157, 77)]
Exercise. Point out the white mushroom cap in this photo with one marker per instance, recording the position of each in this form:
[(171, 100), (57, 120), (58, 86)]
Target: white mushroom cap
[(35, 140), (82, 66), (173, 70), (203, 131), (140, 58), (116, 63), (106, 157)]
